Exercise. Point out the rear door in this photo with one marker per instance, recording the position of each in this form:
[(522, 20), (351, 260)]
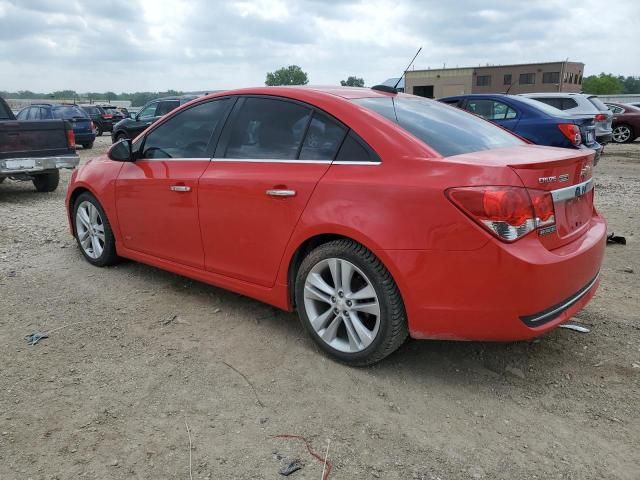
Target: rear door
[(269, 159), (157, 195)]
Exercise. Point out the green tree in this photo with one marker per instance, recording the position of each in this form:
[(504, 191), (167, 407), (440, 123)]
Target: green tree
[(291, 75), (352, 82), (603, 84), (630, 84), (108, 96)]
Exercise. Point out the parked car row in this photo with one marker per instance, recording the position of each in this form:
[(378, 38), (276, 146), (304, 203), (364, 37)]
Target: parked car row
[(534, 121), (626, 121)]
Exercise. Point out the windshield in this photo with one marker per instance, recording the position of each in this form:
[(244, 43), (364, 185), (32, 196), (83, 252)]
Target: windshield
[(69, 111), (448, 130)]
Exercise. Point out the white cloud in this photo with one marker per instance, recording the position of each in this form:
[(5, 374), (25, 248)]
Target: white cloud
[(129, 45)]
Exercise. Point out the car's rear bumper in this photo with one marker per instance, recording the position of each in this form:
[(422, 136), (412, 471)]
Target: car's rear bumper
[(32, 165), (604, 138), (84, 137), (501, 291)]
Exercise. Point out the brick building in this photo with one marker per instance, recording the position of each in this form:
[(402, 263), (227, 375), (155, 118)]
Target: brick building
[(520, 78)]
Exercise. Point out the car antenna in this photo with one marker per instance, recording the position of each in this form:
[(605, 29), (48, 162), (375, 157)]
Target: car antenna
[(511, 85), (408, 67)]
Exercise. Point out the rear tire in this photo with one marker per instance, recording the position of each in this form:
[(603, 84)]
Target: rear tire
[(93, 232), (87, 146), (99, 131), (349, 303), (623, 133), (121, 136), (47, 182)]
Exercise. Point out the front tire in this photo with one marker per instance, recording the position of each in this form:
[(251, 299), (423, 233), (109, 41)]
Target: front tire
[(46, 182), (349, 303), (93, 231), (99, 130), (623, 133)]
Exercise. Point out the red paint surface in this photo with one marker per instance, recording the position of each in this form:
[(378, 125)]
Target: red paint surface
[(456, 279)]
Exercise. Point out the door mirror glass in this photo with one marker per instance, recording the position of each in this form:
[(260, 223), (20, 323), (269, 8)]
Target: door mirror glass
[(121, 151)]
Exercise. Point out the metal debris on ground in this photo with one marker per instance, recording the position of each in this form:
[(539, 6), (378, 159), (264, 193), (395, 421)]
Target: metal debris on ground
[(577, 328), (613, 238), (290, 468), (35, 337)]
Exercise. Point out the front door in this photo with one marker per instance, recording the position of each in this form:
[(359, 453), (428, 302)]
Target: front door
[(157, 195), (269, 159)]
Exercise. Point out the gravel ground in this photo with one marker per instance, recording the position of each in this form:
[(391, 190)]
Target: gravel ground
[(136, 355)]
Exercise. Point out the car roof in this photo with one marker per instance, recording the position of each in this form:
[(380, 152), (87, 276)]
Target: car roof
[(554, 94), (300, 91)]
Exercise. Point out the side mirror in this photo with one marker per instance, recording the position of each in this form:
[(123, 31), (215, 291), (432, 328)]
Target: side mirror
[(121, 151)]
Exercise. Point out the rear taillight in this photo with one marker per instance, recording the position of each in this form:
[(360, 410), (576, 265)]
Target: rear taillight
[(572, 132), (107, 116), (509, 213), (71, 138), (601, 117), (93, 126)]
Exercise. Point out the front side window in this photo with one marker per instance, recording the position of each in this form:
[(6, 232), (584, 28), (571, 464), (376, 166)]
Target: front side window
[(448, 130), (527, 78), (148, 112), (188, 133), (266, 128)]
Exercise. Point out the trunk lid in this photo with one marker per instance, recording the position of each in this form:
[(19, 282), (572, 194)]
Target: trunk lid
[(563, 172)]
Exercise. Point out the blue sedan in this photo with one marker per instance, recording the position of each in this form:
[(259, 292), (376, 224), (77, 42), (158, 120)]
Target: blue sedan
[(532, 120)]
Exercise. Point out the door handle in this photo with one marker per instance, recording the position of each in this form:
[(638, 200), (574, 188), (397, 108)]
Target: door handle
[(180, 188), (281, 193)]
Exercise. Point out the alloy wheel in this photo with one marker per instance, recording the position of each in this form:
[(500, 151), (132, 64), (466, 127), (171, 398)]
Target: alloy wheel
[(342, 305), (90, 229), (621, 134)]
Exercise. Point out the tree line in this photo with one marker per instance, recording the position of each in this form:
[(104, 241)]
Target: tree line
[(609, 84), (137, 99)]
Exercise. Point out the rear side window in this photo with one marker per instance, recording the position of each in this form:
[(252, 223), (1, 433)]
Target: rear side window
[(355, 150), (22, 114), (491, 109), (5, 114), (91, 110), (449, 131), (266, 128), (598, 103), (188, 133), (166, 107), (323, 138), (554, 102)]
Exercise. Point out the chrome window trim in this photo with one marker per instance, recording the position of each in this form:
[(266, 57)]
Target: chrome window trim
[(574, 191), (261, 160), (269, 160), (354, 162)]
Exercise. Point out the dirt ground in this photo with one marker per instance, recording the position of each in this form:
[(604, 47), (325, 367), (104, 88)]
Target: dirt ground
[(111, 397)]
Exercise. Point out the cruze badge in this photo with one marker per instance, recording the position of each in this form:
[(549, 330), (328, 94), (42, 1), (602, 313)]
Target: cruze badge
[(560, 178)]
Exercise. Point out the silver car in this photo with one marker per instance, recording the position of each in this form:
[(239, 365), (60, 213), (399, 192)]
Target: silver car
[(583, 105)]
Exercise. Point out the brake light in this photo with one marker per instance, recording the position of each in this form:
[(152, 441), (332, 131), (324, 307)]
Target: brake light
[(572, 132), (107, 116), (93, 126), (601, 117), (509, 213), (71, 138)]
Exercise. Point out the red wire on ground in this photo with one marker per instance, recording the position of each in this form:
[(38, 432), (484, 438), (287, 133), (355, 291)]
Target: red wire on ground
[(313, 454)]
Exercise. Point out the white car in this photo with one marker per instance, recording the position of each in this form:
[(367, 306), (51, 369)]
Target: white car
[(583, 105)]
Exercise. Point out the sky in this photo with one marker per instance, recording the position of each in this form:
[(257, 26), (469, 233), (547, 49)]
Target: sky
[(189, 45)]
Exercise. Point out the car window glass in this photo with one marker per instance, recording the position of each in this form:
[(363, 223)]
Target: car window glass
[(45, 114), (448, 130), (598, 103), (353, 149), (22, 114), (323, 138), (5, 113), (491, 109), (269, 129), (148, 112), (553, 102), (68, 111), (188, 133), (34, 113), (568, 104), (166, 107)]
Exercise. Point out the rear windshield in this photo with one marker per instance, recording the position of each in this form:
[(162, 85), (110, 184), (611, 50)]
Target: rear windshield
[(448, 130), (69, 111), (598, 103), (92, 110)]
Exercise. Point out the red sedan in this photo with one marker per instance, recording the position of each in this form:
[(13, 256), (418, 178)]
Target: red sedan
[(376, 215)]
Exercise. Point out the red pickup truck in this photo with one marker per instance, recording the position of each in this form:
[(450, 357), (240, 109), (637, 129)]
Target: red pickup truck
[(35, 150)]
